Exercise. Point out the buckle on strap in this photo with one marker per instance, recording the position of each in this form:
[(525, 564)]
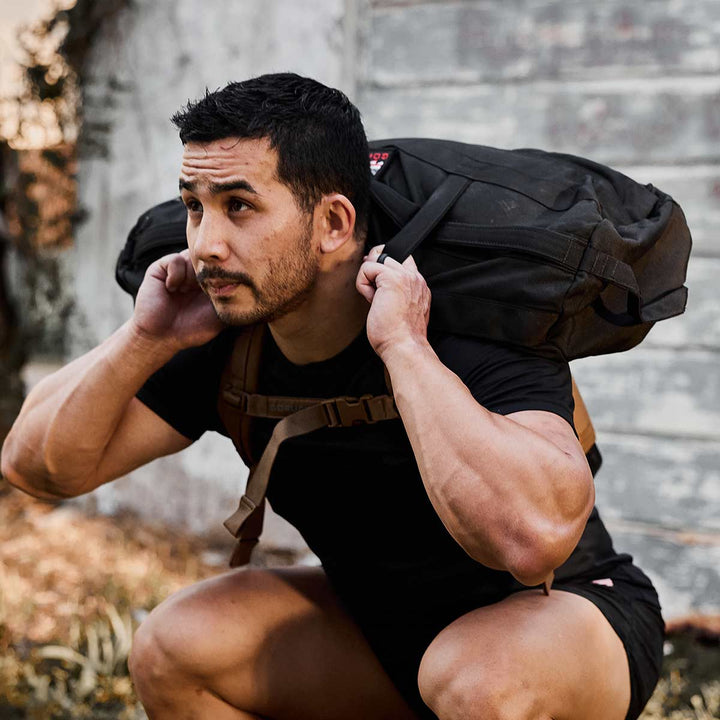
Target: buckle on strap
[(235, 522), (236, 398), (346, 412)]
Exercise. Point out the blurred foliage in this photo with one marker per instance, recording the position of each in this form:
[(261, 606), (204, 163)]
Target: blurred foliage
[(689, 688), (37, 186), (42, 215), (48, 109), (85, 678), (45, 110), (72, 589)]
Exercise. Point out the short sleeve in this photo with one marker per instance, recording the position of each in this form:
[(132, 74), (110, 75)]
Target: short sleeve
[(506, 379), (184, 391)]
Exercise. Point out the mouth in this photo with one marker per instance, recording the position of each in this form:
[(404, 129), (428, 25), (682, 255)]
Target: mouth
[(220, 288), (219, 284)]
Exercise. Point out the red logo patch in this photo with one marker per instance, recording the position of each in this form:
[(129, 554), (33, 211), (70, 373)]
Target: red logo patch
[(377, 160)]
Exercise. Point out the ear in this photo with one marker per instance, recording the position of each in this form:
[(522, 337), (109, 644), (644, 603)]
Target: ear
[(336, 216)]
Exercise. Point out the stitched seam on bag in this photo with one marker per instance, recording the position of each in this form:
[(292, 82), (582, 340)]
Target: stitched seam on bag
[(569, 320), (488, 182), (490, 245), (490, 301)]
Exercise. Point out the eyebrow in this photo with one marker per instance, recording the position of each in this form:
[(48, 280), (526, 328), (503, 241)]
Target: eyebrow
[(218, 188)]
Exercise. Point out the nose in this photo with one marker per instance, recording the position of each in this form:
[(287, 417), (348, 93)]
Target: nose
[(208, 239)]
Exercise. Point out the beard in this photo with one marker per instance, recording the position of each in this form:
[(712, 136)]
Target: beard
[(288, 282)]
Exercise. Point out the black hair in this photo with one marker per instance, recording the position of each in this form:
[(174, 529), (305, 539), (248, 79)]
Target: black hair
[(315, 130)]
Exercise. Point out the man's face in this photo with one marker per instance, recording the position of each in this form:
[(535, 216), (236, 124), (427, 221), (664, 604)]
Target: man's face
[(250, 243)]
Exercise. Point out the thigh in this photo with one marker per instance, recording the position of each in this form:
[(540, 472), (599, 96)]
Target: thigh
[(275, 643), (528, 656)]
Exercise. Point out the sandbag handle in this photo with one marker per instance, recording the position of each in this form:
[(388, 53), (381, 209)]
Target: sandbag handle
[(445, 195)]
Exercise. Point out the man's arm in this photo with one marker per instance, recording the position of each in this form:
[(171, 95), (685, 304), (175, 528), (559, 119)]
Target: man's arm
[(514, 491), (83, 426)]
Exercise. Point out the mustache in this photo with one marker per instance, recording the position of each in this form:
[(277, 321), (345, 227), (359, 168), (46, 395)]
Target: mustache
[(216, 273)]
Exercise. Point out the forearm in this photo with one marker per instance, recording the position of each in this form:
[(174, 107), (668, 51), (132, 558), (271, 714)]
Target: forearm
[(59, 438), (512, 498)]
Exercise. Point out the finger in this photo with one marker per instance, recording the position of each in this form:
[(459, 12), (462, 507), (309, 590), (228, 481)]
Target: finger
[(374, 252), (409, 263), (366, 278), (176, 268), (191, 282)]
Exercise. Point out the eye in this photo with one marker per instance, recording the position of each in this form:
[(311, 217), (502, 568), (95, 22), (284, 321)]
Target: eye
[(237, 205), (193, 206)]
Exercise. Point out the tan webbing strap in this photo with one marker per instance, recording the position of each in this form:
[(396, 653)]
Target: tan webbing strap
[(245, 363), (251, 534), (238, 403), (583, 424), (241, 374), (336, 412)]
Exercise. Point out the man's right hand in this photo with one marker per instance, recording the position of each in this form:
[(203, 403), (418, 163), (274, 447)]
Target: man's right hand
[(171, 307)]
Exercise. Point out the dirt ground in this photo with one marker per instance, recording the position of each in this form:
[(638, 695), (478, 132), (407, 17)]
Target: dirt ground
[(73, 588)]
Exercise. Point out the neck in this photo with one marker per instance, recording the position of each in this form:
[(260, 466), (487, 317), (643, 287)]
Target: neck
[(329, 320)]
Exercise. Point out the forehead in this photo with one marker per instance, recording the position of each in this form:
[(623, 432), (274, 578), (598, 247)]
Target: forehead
[(222, 161)]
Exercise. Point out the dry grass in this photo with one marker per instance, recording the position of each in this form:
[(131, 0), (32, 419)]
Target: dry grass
[(72, 589)]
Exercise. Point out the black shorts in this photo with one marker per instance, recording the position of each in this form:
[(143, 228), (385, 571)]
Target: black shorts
[(631, 607)]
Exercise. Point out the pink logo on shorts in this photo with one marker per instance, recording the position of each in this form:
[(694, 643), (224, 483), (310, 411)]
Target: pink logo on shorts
[(607, 582)]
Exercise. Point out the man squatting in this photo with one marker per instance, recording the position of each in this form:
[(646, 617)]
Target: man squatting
[(434, 533)]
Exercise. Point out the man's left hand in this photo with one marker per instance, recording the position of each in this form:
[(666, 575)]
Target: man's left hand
[(399, 299)]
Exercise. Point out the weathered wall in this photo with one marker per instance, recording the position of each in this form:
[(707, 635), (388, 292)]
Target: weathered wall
[(635, 85)]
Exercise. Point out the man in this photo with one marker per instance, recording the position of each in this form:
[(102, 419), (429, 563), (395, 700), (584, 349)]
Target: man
[(434, 532)]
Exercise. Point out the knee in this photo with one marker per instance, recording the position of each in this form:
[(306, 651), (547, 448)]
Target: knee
[(160, 653), (183, 640), (461, 683)]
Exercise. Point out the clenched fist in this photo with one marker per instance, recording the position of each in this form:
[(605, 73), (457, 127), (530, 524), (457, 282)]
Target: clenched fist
[(399, 301), (171, 306)]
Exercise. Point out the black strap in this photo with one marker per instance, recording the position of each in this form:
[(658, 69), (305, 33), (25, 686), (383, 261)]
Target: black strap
[(556, 247), (427, 217)]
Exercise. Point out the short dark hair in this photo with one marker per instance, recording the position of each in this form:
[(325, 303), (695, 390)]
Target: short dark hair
[(315, 130)]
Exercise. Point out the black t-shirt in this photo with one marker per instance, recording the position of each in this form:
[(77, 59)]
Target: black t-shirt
[(355, 493)]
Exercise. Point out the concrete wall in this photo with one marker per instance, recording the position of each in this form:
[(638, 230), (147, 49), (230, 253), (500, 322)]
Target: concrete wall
[(635, 85)]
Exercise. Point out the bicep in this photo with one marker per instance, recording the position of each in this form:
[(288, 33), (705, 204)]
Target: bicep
[(570, 472), (551, 427), (140, 437)]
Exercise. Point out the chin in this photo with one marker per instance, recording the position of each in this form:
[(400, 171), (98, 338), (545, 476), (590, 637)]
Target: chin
[(239, 316)]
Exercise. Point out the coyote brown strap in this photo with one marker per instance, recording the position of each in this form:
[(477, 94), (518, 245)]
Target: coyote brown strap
[(241, 374), (238, 403), (336, 412)]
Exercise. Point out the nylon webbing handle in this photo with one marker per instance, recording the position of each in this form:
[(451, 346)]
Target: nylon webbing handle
[(427, 217), (556, 247)]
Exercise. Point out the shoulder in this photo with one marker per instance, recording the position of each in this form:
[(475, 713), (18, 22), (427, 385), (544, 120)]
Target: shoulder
[(509, 378), (184, 391)]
